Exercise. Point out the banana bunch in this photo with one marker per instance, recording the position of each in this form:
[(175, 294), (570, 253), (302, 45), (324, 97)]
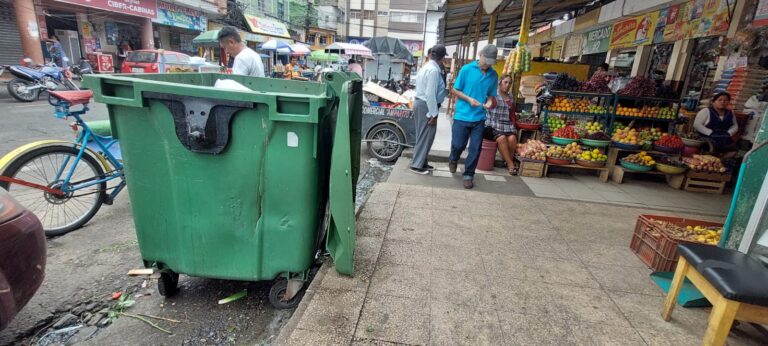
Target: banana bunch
[(518, 60)]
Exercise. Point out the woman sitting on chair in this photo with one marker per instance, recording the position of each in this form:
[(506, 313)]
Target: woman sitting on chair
[(499, 126), (718, 125)]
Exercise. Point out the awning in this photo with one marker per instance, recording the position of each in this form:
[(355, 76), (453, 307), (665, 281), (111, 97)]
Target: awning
[(349, 49), (267, 26), (208, 38)]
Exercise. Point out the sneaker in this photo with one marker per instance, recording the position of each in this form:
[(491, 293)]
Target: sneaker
[(452, 166), (422, 171), (429, 167), (468, 184)]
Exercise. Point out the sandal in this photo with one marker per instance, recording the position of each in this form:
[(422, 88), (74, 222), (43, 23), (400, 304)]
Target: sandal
[(513, 170)]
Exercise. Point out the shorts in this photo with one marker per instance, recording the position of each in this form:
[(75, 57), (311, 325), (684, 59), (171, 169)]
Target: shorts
[(492, 134)]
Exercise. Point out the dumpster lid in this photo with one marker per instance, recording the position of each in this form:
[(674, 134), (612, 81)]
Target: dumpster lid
[(345, 166)]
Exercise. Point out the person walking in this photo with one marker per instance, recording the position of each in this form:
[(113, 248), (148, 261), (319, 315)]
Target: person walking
[(430, 92), (475, 84), (247, 62)]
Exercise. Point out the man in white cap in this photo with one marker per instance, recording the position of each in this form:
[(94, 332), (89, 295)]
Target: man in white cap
[(476, 82)]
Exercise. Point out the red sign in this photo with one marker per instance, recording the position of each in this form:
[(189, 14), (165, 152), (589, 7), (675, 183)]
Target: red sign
[(104, 63), (141, 8)]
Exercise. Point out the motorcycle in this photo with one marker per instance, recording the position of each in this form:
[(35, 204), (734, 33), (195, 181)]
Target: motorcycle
[(81, 68), (29, 82)]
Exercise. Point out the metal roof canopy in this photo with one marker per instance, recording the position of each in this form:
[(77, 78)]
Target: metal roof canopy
[(460, 17)]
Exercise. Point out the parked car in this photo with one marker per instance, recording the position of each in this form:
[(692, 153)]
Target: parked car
[(22, 257), (148, 61)]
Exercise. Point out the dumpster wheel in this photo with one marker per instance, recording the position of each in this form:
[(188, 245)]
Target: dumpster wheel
[(277, 295), (168, 284)]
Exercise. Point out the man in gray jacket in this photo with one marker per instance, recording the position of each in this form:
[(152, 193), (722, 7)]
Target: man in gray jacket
[(430, 92)]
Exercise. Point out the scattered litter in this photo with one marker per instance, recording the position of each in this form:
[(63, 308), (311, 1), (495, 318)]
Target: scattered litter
[(147, 322), (144, 284), (137, 272), (160, 318), (234, 297), (117, 295)]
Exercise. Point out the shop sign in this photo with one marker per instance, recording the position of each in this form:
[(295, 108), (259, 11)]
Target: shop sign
[(596, 41), (573, 46), (415, 47), (623, 34), (557, 48), (182, 17), (705, 18), (761, 15), (141, 8), (266, 26), (356, 40)]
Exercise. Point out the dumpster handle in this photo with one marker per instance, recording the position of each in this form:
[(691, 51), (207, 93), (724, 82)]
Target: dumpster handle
[(202, 124)]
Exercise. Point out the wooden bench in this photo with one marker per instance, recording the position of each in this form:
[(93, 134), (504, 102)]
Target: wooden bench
[(736, 285)]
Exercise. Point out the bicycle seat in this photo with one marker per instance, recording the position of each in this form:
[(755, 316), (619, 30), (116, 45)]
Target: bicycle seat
[(73, 97)]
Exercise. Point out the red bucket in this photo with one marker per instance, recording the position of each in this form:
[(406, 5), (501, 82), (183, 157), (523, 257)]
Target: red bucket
[(487, 155)]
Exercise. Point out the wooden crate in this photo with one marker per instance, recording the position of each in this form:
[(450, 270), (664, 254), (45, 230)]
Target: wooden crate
[(532, 169), (706, 182)]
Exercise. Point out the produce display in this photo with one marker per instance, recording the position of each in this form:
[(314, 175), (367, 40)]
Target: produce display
[(626, 135), (533, 149), (569, 151), (565, 82), (594, 127), (705, 163), (670, 141), (641, 158), (699, 234), (599, 136), (566, 132), (518, 60), (596, 84), (564, 104), (555, 123), (639, 87), (593, 156), (650, 134), (646, 112)]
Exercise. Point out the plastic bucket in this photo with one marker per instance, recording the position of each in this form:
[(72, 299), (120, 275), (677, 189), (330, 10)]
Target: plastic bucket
[(487, 155)]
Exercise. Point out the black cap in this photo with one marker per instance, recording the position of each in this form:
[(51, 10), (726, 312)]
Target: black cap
[(437, 52)]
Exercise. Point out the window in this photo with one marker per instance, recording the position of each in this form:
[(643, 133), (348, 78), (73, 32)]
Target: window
[(311, 39), (171, 58), (280, 10), (262, 6), (383, 13), (355, 14), (368, 14), (323, 40), (406, 17)]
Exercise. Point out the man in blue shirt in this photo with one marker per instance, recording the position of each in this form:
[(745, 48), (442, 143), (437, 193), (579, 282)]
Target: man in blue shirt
[(476, 82), (430, 92)]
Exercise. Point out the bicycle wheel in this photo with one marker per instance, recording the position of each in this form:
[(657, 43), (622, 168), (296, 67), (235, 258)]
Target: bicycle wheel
[(58, 214)]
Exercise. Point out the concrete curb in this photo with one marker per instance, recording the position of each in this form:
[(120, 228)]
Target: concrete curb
[(293, 322)]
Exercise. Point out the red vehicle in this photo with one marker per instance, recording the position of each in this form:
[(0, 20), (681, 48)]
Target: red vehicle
[(22, 257), (148, 61)]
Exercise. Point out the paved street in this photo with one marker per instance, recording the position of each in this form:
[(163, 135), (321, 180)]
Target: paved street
[(86, 266)]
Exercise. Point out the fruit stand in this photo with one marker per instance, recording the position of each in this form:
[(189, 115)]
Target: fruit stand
[(568, 107), (649, 111)]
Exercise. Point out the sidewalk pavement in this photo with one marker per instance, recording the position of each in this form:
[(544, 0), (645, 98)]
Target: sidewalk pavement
[(443, 266)]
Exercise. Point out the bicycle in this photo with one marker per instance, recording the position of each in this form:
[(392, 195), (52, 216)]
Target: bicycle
[(63, 183)]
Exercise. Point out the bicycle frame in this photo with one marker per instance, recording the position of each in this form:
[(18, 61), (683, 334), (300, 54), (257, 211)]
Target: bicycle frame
[(63, 112)]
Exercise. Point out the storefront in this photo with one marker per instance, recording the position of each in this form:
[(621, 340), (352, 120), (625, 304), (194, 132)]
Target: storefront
[(176, 26)]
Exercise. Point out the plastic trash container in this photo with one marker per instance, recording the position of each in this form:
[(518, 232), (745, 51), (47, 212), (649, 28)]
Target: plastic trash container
[(239, 185)]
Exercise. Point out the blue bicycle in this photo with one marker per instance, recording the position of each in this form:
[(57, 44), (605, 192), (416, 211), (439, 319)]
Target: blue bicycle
[(65, 183)]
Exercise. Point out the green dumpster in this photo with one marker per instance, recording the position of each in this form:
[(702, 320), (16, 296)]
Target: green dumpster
[(240, 185)]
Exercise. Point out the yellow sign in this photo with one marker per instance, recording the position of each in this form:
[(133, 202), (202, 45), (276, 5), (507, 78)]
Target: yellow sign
[(266, 26), (637, 31)]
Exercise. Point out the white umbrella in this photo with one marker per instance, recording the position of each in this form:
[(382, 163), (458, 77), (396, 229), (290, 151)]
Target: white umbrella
[(276, 45), (295, 50)]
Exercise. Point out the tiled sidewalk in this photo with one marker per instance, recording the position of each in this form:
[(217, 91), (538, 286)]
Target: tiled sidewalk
[(453, 267)]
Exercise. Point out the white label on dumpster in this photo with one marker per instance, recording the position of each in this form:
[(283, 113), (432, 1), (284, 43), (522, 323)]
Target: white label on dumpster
[(293, 140)]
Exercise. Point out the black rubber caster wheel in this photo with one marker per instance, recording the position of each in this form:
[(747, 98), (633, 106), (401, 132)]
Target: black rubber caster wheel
[(277, 294), (168, 284)]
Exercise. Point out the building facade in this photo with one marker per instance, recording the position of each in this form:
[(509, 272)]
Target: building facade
[(108, 28), (403, 19)]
